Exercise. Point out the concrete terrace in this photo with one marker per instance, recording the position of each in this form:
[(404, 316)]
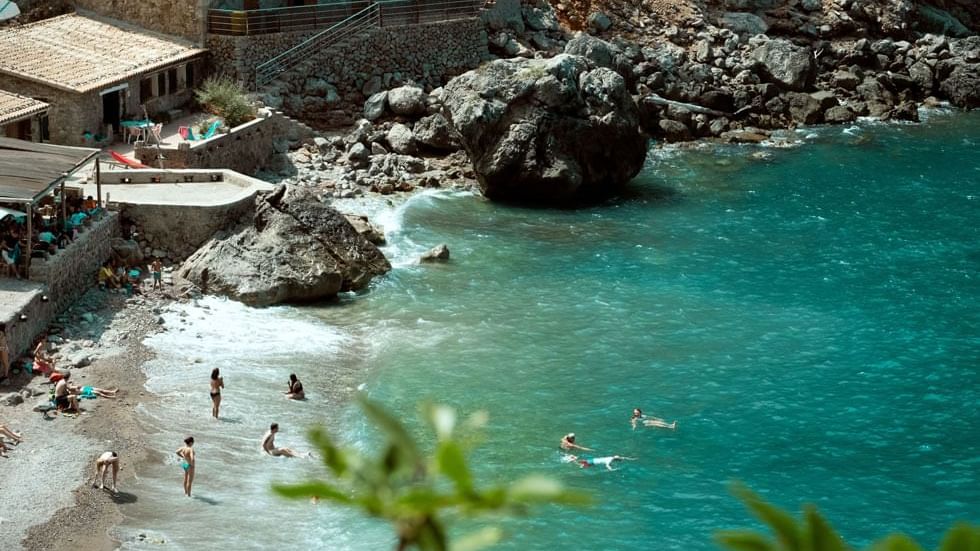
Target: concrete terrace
[(192, 188)]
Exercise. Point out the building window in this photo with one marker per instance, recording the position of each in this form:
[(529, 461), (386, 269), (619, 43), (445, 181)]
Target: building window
[(189, 75), (172, 81), (146, 90), (161, 84)]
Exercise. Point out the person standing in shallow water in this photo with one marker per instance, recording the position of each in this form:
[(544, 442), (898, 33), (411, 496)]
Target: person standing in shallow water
[(217, 383), (187, 456)]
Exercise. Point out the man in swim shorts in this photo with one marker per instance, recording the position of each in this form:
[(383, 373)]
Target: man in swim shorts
[(269, 444), (63, 399), (567, 443)]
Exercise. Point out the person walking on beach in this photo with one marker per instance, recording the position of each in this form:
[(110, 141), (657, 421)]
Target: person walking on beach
[(102, 465), (186, 454), (295, 391), (650, 421), (156, 268), (568, 443), (217, 383), (4, 352), (269, 444)]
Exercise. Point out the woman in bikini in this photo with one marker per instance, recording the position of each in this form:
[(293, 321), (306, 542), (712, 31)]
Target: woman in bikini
[(295, 391), (186, 454), (217, 383)]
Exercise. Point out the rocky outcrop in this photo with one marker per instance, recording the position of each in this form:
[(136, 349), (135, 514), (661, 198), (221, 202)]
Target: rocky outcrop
[(549, 130), (296, 249), (786, 64)]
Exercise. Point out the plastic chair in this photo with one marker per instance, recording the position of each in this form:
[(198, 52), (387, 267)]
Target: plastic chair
[(187, 133), (211, 130)]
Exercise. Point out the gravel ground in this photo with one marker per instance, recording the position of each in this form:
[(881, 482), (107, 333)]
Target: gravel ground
[(40, 508)]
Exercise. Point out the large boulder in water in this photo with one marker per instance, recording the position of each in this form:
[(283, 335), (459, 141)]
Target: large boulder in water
[(296, 249), (546, 130)]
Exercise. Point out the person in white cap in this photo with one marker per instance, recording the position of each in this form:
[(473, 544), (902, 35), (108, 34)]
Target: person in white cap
[(568, 443)]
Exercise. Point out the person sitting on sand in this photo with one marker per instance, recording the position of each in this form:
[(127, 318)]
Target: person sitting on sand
[(217, 383), (186, 453), (107, 279), (64, 400), (607, 461), (10, 434), (295, 391), (568, 443), (102, 464), (43, 363), (269, 444), (92, 392), (650, 421)]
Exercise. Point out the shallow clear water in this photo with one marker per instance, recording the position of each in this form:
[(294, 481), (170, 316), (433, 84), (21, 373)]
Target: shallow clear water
[(810, 320)]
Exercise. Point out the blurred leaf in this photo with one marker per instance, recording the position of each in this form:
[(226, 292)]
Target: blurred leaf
[(443, 420), (961, 537), (480, 539), (319, 490), (781, 523), (452, 463), (896, 542), (393, 429), (431, 535), (744, 541), (334, 458), (540, 489), (820, 535)]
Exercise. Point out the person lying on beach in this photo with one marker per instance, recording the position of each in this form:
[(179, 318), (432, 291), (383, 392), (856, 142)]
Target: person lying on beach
[(16, 437), (607, 461), (295, 391), (64, 400), (186, 453), (92, 392), (102, 464), (269, 444), (568, 443), (650, 421)]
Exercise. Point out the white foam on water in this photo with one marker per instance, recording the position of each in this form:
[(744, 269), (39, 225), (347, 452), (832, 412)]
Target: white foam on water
[(403, 251)]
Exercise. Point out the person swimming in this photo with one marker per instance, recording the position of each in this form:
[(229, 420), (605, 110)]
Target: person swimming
[(604, 461), (568, 443), (650, 421)]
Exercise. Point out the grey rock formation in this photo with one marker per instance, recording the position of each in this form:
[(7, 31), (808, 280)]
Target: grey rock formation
[(962, 86), (358, 155), (401, 140), (435, 133), (839, 115), (407, 101), (439, 253), (786, 64), (374, 106), (599, 22), (548, 130), (296, 249), (744, 23)]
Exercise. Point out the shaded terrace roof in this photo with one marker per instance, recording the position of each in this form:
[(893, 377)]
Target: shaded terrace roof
[(29, 170), (79, 53), (14, 107)]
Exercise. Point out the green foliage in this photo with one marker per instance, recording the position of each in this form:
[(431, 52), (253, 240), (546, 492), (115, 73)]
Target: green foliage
[(415, 490), (814, 533), (223, 97)]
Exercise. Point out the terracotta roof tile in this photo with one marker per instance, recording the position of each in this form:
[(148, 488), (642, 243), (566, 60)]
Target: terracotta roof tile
[(14, 107)]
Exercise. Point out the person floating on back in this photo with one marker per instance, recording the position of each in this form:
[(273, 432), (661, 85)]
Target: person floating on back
[(650, 421), (606, 461)]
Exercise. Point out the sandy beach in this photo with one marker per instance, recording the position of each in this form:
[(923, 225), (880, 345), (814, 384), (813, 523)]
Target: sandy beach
[(49, 502)]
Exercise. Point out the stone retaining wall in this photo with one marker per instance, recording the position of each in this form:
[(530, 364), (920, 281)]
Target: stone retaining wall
[(65, 277), (342, 78), (237, 56), (180, 17)]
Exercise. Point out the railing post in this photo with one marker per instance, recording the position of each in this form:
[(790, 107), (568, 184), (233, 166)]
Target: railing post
[(381, 21)]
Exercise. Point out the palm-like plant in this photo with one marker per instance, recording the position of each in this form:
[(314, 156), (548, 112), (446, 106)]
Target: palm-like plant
[(415, 491), (814, 533)]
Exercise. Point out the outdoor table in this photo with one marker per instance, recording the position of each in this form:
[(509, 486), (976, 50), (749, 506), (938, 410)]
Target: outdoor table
[(136, 128)]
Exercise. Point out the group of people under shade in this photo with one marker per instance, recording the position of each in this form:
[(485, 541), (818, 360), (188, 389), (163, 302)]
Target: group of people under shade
[(567, 443), (186, 452)]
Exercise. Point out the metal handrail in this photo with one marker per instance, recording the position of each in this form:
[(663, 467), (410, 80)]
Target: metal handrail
[(383, 13), (272, 20), (268, 71)]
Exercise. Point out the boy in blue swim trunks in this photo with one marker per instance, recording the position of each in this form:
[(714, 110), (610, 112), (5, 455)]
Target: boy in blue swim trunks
[(156, 268), (607, 461)]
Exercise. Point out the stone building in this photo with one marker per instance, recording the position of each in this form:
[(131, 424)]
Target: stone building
[(94, 73), (184, 18), (22, 117)]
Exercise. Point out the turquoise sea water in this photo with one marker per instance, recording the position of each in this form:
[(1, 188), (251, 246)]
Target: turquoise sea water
[(810, 319)]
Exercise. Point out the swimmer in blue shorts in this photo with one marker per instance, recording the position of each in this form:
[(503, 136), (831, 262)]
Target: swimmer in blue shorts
[(607, 461)]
